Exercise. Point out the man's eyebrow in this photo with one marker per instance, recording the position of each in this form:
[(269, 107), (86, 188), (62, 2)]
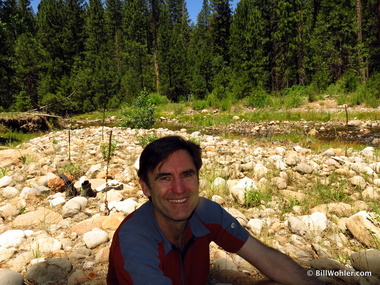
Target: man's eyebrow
[(162, 174), (190, 171), (159, 175)]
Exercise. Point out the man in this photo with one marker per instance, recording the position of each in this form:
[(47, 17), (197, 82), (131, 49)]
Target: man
[(166, 241)]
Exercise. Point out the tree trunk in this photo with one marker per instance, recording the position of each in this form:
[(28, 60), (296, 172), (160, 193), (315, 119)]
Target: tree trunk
[(362, 68), (155, 42)]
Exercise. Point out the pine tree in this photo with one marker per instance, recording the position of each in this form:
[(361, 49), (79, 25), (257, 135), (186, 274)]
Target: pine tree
[(92, 77), (287, 30), (200, 53), (113, 19), (249, 43), (28, 63), (174, 34), (333, 42), (220, 27), (220, 38), (138, 71)]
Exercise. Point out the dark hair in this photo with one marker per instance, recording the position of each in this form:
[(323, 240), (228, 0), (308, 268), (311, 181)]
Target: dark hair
[(159, 150)]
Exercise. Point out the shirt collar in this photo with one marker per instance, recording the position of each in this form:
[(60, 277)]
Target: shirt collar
[(197, 228)]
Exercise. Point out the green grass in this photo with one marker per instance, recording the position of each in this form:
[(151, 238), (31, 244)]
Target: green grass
[(13, 139), (97, 115)]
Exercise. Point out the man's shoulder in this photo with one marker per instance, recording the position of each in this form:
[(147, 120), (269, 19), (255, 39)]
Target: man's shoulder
[(208, 210), (139, 219)]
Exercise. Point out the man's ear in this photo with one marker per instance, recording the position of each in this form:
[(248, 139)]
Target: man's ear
[(145, 188)]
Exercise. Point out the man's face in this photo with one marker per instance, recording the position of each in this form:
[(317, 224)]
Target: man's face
[(173, 188)]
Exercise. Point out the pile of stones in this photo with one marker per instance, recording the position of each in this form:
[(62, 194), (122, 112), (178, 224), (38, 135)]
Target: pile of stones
[(48, 237)]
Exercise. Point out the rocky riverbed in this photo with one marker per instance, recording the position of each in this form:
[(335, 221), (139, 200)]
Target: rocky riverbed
[(319, 207)]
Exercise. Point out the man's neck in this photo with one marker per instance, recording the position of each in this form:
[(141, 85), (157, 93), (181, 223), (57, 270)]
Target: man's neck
[(175, 231)]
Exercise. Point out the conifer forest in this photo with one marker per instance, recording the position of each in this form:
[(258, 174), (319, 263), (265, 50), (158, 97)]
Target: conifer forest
[(74, 56)]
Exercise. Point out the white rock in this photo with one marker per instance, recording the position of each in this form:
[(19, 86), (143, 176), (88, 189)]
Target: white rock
[(71, 208), (368, 151), (93, 171), (260, 171), (308, 225), (57, 201), (304, 168), (6, 253), (280, 150), (256, 225), (12, 238), (279, 182), (219, 183), (81, 200), (358, 181), (10, 192), (218, 199), (6, 181), (21, 260), (127, 206), (241, 188), (95, 238), (9, 211), (46, 244), (371, 193)]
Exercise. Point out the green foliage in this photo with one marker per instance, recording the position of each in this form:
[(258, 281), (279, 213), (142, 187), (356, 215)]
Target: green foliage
[(224, 104), (73, 169), (140, 114), (348, 83), (200, 104), (258, 98), (368, 93), (22, 102), (254, 198), (146, 139), (107, 150), (81, 56), (158, 99), (294, 96), (3, 172)]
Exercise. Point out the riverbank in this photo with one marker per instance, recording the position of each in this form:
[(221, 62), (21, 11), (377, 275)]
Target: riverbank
[(319, 207)]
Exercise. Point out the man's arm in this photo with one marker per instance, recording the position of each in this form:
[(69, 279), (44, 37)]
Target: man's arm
[(274, 264)]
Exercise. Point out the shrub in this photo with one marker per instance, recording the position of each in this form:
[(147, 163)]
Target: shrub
[(200, 104), (146, 139), (105, 148), (258, 99), (294, 96), (140, 114), (73, 169), (158, 99), (368, 93), (22, 102)]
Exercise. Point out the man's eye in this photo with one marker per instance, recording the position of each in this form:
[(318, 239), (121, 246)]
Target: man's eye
[(164, 178), (189, 174)]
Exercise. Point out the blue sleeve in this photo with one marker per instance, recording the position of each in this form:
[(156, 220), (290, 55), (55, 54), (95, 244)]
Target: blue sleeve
[(141, 259), (226, 231)]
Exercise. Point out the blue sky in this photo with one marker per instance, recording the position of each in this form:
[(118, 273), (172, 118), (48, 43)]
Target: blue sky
[(193, 6)]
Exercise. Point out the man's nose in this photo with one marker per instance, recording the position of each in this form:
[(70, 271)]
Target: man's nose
[(178, 185)]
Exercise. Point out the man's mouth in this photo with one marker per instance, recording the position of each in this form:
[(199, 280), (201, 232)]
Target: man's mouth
[(178, 201)]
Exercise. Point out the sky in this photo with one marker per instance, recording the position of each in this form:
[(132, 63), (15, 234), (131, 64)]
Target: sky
[(193, 6)]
